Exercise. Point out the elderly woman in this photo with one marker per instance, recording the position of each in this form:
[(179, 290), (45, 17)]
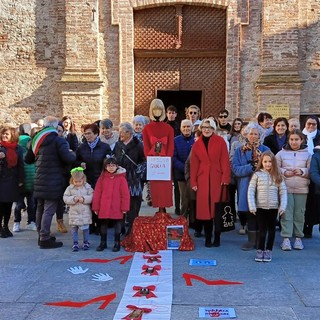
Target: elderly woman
[(312, 216), (11, 175), (244, 162), (90, 156), (107, 134), (209, 170), (138, 125), (158, 140), (129, 153)]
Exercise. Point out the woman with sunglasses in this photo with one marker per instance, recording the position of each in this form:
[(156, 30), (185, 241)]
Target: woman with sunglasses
[(312, 131), (223, 123), (193, 113)]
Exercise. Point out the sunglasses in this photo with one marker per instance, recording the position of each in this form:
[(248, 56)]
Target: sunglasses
[(195, 112), (225, 117)]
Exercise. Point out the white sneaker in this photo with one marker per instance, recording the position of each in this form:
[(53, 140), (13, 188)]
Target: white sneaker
[(31, 226), (16, 227), (286, 245), (243, 230), (298, 245)]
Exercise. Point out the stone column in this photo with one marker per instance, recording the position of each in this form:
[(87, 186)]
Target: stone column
[(279, 82), (81, 81)]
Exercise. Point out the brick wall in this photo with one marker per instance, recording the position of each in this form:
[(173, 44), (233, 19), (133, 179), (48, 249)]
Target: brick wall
[(81, 63)]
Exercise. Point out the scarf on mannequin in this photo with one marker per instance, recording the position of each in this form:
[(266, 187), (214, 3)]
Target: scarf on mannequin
[(310, 137), (11, 155)]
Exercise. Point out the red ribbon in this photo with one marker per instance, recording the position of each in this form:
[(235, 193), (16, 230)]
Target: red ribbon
[(136, 313), (152, 271), (163, 141), (144, 291), (152, 259)]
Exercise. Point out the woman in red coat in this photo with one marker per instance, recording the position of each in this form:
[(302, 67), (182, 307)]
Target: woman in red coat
[(209, 170), (158, 140), (111, 200)]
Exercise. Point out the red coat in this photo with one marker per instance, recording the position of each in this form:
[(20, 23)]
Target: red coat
[(111, 195), (208, 170), (161, 191)]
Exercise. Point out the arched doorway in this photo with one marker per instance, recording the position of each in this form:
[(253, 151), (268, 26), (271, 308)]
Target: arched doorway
[(180, 49)]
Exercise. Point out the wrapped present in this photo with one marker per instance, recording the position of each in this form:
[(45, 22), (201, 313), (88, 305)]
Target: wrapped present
[(150, 234)]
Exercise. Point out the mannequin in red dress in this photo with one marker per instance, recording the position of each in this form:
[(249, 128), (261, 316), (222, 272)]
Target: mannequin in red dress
[(158, 140)]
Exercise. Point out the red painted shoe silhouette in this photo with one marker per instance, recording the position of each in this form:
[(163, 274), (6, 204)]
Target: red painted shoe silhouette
[(123, 260), (188, 277), (74, 304)]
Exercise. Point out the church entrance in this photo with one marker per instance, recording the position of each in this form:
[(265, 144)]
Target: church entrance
[(180, 57)]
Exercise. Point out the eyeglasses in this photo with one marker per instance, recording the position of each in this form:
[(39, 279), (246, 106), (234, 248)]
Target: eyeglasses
[(225, 117), (193, 112), (206, 128), (311, 124), (60, 131)]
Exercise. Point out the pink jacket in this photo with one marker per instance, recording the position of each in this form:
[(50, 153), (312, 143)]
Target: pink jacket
[(111, 197), (288, 160)]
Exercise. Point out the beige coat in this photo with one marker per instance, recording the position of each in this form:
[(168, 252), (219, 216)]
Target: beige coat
[(79, 213), (263, 193)]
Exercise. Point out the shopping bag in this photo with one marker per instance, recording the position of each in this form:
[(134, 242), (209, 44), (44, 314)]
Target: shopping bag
[(224, 219)]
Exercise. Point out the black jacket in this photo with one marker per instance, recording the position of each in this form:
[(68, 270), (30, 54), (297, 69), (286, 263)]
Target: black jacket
[(50, 162)]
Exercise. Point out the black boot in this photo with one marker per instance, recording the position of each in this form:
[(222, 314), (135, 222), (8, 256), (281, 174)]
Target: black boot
[(50, 244), (116, 246), (103, 242), (216, 241), (251, 243), (208, 242)]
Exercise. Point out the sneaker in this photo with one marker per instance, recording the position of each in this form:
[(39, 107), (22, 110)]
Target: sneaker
[(243, 230), (75, 247), (267, 256), (16, 227), (298, 245), (286, 245), (259, 256), (31, 226), (86, 245)]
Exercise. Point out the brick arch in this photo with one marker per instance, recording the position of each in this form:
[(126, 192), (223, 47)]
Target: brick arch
[(122, 15)]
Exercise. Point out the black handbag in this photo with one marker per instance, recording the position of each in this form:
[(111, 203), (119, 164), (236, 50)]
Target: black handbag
[(224, 219)]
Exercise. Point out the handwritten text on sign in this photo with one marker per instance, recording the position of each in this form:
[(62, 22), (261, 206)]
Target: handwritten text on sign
[(159, 168)]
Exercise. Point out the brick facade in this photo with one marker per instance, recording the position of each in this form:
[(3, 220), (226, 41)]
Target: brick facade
[(69, 57)]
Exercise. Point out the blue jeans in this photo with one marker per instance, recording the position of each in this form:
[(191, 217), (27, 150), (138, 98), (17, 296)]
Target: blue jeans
[(74, 233), (31, 207)]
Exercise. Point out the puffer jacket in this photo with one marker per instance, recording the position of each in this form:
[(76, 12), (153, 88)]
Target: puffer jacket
[(289, 159), (111, 197), (79, 213), (50, 162), (263, 193)]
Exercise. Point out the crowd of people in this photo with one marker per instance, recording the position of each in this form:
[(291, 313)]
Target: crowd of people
[(97, 175)]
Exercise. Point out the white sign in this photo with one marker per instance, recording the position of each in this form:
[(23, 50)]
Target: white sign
[(159, 168)]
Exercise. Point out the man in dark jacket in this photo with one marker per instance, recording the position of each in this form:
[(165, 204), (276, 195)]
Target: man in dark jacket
[(50, 154)]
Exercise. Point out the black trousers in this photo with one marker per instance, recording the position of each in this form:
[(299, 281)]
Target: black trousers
[(267, 221)]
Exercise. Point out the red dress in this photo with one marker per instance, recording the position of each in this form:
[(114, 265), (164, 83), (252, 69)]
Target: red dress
[(153, 133)]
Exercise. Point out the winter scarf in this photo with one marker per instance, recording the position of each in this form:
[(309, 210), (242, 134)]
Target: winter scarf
[(11, 155)]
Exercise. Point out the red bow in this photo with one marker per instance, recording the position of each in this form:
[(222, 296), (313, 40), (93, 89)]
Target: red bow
[(163, 141), (144, 291), (152, 271), (152, 259), (136, 313)]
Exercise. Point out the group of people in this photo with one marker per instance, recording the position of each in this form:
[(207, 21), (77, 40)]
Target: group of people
[(271, 169)]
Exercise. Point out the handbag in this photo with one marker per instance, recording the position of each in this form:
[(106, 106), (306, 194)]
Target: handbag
[(141, 168), (224, 219)]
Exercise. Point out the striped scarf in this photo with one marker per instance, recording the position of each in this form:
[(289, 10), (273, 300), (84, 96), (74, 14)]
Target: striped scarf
[(39, 137)]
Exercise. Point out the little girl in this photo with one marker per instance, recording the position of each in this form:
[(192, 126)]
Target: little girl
[(78, 196), (294, 162), (267, 196), (111, 200)]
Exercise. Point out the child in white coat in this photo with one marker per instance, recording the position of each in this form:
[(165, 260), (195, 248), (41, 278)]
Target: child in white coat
[(267, 197), (78, 196)]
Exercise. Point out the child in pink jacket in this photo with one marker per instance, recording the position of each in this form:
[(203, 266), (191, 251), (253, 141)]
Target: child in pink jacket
[(111, 200)]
